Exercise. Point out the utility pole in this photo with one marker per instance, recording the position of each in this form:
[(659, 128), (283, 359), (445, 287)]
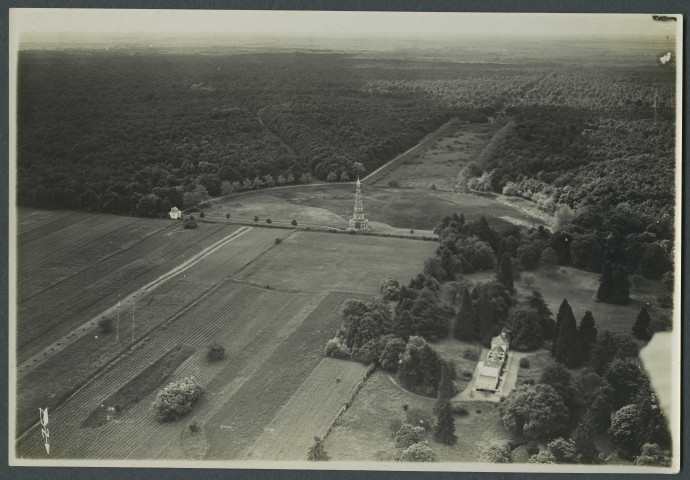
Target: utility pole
[(117, 326)]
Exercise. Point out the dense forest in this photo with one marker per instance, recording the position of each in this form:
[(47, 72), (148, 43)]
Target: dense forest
[(102, 131), (138, 132)]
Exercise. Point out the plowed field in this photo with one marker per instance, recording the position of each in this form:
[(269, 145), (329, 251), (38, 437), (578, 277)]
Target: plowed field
[(250, 322), (271, 305)]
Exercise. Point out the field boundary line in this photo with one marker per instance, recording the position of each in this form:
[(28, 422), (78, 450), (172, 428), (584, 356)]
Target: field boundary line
[(115, 360), (250, 369), (195, 258), (243, 267), (101, 259), (313, 228), (76, 330), (269, 288), (84, 328), (491, 146), (348, 404), (131, 221), (19, 234)]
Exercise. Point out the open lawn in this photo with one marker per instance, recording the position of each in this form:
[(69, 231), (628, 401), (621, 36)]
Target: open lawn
[(318, 262), (389, 210), (538, 362), (580, 288), (440, 163), (266, 205), (365, 431), (463, 354)]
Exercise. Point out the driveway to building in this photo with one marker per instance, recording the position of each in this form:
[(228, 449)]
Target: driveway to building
[(508, 379)]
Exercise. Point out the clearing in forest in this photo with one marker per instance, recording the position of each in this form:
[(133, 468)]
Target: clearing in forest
[(389, 210), (439, 163)]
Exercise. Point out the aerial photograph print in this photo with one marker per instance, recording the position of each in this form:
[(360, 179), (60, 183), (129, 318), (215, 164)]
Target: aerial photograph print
[(345, 240)]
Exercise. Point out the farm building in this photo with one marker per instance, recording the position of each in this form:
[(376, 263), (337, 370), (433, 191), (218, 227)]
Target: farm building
[(175, 213), (489, 371)]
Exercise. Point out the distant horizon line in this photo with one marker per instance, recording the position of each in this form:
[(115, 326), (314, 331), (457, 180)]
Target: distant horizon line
[(387, 35)]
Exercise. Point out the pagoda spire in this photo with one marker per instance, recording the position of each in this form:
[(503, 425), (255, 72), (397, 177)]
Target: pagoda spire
[(358, 222)]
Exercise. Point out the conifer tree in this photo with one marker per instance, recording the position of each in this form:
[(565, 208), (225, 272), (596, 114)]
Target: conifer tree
[(602, 352), (445, 387), (587, 334), (505, 272), (621, 286), (536, 301), (583, 439), (445, 425), (568, 346), (465, 327), (606, 283), (641, 327), (559, 320)]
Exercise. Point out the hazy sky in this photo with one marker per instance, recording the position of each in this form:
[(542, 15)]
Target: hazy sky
[(319, 23)]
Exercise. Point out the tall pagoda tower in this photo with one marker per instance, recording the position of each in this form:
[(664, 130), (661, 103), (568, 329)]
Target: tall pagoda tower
[(358, 222)]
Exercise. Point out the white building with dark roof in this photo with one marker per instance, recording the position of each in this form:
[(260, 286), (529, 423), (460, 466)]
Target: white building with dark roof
[(489, 371), (175, 213)]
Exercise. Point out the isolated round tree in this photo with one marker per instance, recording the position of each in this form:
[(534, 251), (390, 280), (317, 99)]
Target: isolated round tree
[(419, 452), (176, 399)]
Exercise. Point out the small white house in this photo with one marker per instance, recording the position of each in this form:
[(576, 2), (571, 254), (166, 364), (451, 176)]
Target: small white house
[(175, 213)]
